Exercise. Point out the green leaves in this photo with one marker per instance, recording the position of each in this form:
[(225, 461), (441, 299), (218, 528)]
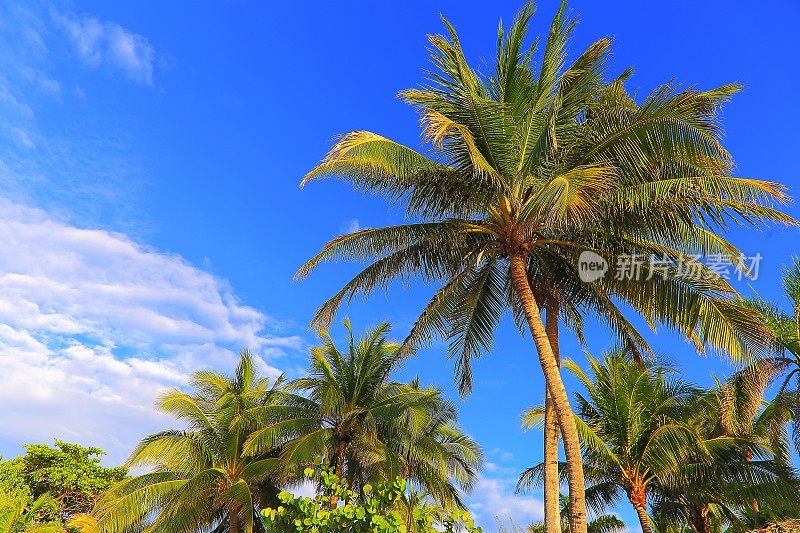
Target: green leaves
[(374, 509), (199, 476)]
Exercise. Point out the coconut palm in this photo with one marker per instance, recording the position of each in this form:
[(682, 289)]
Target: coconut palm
[(528, 168), (633, 426), (785, 357), (750, 472), (439, 457), (199, 478), (366, 426)]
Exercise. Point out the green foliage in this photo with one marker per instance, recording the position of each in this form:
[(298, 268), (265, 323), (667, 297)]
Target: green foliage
[(68, 473), (21, 513), (366, 426), (199, 478), (372, 510)]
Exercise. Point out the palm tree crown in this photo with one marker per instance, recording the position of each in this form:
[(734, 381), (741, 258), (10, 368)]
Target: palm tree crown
[(365, 426), (200, 479)]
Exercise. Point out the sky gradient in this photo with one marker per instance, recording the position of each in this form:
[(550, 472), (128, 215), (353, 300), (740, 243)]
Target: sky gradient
[(151, 219)]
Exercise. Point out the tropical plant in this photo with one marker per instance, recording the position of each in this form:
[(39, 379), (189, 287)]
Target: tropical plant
[(21, 513), (367, 427), (633, 426), (366, 511), (750, 474), (199, 479), (784, 360), (529, 168), (438, 458), (69, 473)]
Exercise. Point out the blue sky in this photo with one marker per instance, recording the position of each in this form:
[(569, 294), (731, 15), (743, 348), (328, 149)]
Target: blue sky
[(150, 215)]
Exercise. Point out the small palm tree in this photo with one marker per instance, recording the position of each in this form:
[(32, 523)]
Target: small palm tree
[(633, 428), (199, 479), (529, 167), (785, 359), (366, 426), (439, 457), (604, 523)]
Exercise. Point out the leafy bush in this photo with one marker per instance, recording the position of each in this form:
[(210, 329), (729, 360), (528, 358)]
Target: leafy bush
[(374, 510)]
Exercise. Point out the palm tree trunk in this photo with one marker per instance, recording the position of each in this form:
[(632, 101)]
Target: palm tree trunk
[(644, 520), (233, 519), (557, 392), (341, 447), (637, 495), (552, 493)]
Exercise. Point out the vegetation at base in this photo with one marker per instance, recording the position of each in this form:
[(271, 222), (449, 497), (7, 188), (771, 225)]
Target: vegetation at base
[(49, 485), (377, 509)]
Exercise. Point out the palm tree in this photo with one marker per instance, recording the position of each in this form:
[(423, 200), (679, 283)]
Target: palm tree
[(530, 167), (785, 357), (438, 453), (751, 460), (199, 478), (365, 426), (633, 426)]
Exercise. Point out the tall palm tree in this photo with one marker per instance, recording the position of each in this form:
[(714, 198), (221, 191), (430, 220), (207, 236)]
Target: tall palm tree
[(366, 426), (199, 479), (528, 168)]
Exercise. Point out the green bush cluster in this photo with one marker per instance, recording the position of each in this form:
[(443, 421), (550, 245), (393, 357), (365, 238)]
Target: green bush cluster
[(375, 510)]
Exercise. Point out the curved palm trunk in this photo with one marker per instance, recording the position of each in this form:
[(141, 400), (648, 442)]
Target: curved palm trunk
[(644, 520), (638, 498), (557, 392), (341, 448), (552, 493)]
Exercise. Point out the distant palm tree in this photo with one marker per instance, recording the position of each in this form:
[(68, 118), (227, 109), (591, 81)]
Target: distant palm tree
[(633, 426), (200, 479), (785, 357), (529, 167), (366, 426), (750, 473), (604, 523), (438, 456)]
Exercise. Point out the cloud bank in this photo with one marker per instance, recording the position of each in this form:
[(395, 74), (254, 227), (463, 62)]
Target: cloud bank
[(93, 326)]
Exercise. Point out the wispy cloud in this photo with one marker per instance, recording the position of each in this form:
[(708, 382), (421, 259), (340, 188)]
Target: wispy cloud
[(494, 500), (107, 43), (94, 325), (351, 226)]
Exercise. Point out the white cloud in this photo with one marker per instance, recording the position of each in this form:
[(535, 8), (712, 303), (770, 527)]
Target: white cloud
[(351, 226), (94, 325), (494, 500), (107, 43)]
